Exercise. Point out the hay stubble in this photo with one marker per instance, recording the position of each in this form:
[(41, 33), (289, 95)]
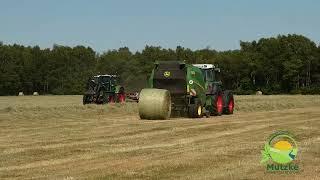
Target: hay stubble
[(56, 137)]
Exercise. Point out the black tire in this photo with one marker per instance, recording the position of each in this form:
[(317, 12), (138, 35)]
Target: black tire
[(87, 99), (105, 98), (84, 100), (217, 105), (228, 100), (195, 110)]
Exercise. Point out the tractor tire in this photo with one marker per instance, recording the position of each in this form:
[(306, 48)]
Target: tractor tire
[(84, 100), (217, 105), (105, 99), (154, 104), (121, 95), (111, 98), (228, 100), (100, 98), (87, 99), (195, 110), (121, 98)]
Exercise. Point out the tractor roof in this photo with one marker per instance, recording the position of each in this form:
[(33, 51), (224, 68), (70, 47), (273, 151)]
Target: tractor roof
[(204, 66), (106, 75), (169, 62)]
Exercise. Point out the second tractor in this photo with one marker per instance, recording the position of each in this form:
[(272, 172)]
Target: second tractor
[(103, 89)]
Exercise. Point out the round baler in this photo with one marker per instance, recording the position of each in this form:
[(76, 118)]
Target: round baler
[(176, 88)]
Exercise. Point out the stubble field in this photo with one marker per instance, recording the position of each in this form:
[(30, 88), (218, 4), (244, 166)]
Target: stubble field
[(56, 137)]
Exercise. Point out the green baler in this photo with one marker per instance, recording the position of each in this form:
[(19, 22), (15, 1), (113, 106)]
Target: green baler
[(179, 89)]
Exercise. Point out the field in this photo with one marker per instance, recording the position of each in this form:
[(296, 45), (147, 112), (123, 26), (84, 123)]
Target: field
[(56, 137)]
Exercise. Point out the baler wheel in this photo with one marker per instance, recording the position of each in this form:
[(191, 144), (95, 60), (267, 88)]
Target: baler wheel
[(195, 110)]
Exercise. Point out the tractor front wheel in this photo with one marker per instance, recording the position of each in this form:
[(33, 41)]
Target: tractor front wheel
[(111, 99), (85, 100)]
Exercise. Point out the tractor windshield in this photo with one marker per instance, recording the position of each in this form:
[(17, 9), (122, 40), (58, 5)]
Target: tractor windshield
[(208, 74), (113, 80), (105, 79)]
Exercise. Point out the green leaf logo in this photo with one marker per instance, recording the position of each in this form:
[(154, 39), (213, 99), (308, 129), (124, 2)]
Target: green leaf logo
[(166, 74), (280, 148)]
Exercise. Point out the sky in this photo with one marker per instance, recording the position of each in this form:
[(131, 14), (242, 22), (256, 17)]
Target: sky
[(195, 24)]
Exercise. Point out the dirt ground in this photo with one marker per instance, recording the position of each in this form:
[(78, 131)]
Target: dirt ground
[(56, 137)]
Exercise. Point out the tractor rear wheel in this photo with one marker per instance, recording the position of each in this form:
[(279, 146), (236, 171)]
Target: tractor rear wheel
[(121, 98), (111, 99), (217, 105), (195, 110), (228, 102)]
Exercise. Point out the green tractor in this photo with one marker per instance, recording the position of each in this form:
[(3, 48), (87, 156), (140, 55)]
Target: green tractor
[(179, 89), (103, 89)]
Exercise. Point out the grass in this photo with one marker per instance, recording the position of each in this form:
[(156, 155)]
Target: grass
[(56, 137)]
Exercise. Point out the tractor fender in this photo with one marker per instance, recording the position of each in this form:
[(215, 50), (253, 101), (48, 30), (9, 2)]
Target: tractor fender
[(119, 89)]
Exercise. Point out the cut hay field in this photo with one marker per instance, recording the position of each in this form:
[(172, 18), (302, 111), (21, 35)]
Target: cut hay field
[(56, 137)]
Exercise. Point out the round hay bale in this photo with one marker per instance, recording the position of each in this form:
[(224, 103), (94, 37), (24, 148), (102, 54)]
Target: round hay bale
[(258, 93), (154, 104), (35, 93), (21, 94)]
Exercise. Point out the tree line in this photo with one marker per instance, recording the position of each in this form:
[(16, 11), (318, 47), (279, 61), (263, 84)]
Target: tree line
[(282, 64)]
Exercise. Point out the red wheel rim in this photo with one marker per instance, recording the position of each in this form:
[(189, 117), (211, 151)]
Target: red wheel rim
[(231, 105), (219, 104), (122, 98), (111, 99)]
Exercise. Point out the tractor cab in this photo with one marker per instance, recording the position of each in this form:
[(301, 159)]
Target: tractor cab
[(209, 71), (211, 76), (105, 79)]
